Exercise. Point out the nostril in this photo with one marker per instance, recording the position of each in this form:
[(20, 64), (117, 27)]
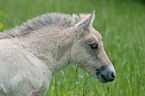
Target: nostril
[(113, 75)]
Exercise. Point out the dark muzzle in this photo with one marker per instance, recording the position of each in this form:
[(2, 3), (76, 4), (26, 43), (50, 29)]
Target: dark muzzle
[(106, 73)]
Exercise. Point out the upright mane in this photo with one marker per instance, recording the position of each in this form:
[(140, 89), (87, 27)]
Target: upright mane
[(41, 21)]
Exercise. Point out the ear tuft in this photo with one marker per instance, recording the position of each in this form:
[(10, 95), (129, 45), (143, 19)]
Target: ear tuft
[(84, 23), (83, 16), (92, 19)]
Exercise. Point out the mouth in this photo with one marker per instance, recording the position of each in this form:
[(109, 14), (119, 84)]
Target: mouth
[(103, 79)]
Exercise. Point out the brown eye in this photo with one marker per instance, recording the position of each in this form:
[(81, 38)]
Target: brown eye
[(94, 45)]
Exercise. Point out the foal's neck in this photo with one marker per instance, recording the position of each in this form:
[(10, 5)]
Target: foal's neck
[(52, 45)]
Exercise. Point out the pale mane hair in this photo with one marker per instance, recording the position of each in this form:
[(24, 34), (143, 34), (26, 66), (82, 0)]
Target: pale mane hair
[(45, 20)]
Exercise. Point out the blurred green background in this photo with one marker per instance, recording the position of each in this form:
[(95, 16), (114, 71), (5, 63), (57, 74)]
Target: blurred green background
[(122, 26)]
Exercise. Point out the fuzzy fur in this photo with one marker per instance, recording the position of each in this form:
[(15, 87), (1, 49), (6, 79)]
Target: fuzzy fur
[(31, 54)]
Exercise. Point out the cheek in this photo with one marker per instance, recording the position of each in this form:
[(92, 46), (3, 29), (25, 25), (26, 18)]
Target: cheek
[(83, 56), (77, 53), (93, 53)]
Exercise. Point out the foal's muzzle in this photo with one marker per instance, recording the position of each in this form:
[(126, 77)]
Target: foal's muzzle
[(106, 73)]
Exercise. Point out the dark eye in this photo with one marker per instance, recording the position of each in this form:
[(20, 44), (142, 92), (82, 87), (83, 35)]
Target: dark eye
[(94, 45)]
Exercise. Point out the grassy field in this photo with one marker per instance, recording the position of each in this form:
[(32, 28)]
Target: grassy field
[(122, 25)]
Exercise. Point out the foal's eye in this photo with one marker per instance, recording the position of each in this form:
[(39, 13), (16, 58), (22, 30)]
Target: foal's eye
[(94, 45)]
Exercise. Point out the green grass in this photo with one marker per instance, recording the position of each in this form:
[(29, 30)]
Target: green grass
[(122, 25)]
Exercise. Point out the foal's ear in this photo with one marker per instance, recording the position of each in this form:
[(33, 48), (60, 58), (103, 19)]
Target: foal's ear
[(84, 24)]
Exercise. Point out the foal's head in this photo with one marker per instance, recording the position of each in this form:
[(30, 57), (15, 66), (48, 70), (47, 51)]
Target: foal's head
[(89, 53)]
